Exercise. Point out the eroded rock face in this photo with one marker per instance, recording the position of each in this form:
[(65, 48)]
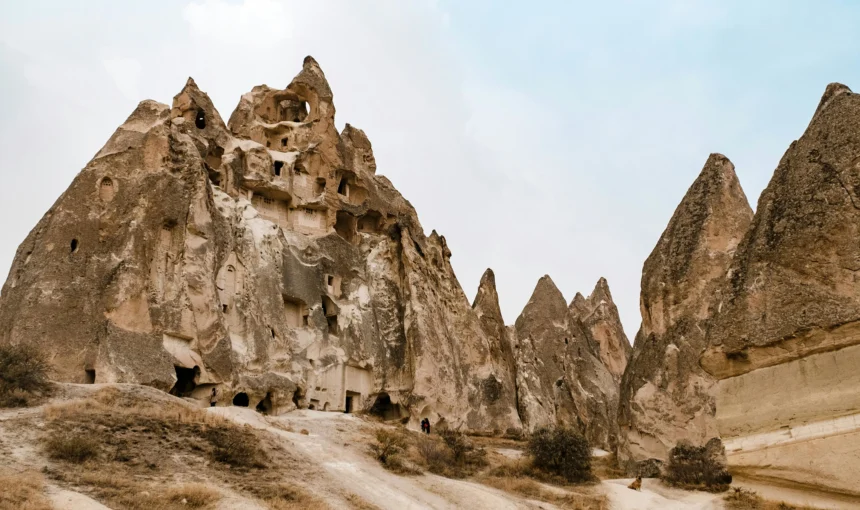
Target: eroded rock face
[(600, 317), (785, 338), (665, 396), (264, 258), (560, 378)]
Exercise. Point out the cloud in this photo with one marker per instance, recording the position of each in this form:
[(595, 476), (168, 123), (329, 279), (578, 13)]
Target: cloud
[(126, 74), (252, 23)]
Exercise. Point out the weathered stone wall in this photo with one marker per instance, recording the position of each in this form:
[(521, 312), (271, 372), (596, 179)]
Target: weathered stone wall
[(786, 325)]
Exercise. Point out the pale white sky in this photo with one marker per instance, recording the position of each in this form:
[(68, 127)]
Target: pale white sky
[(543, 137)]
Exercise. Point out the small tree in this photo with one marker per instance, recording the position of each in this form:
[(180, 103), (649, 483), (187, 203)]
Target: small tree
[(698, 466), (561, 451), (23, 375)]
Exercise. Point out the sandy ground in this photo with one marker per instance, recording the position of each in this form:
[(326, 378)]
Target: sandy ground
[(335, 447)]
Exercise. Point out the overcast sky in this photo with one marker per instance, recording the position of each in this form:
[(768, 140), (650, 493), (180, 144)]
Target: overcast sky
[(540, 137)]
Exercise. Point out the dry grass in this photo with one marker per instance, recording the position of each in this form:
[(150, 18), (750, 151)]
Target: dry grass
[(144, 440), (280, 496), (22, 491), (123, 491), (113, 426), (742, 499), (562, 498), (357, 502)]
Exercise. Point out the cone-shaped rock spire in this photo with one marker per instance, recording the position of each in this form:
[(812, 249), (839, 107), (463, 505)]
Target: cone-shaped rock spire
[(600, 317), (664, 393)]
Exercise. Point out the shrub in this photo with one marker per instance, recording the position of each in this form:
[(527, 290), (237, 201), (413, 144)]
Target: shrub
[(23, 375), (24, 491), (464, 455), (698, 466), (73, 447), (389, 444), (561, 451), (435, 454), (236, 447), (192, 495)]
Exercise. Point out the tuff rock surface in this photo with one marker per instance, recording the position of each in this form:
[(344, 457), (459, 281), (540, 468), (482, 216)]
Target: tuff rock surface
[(785, 336), (264, 258), (599, 315), (560, 378), (665, 395)]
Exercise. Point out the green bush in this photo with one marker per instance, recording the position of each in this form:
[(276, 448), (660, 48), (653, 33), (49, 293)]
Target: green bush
[(23, 375), (697, 466), (561, 451), (74, 447)]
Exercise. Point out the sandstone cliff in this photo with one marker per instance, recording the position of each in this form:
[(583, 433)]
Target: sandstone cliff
[(264, 258), (785, 338), (665, 395), (599, 315), (560, 378)]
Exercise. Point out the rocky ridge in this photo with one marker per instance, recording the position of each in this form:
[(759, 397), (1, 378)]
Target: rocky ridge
[(665, 396), (264, 258)]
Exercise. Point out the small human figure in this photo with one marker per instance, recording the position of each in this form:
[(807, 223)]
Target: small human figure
[(427, 429), (637, 484), (213, 398)]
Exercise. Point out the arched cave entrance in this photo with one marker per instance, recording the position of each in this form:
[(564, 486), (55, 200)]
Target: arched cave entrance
[(241, 400), (384, 408), (186, 381), (265, 406)]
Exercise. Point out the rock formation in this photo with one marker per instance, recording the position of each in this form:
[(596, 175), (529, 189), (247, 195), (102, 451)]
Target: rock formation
[(665, 395), (600, 317), (785, 338), (560, 378), (263, 257)]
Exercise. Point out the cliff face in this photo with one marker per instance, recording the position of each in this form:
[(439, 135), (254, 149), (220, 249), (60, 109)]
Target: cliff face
[(560, 378), (599, 315), (785, 338), (265, 258), (665, 395)]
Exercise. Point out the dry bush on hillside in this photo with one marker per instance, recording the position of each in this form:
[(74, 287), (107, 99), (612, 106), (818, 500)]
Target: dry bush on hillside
[(24, 373), (74, 447), (22, 491), (280, 496), (562, 452), (743, 499), (526, 487), (133, 431), (389, 448)]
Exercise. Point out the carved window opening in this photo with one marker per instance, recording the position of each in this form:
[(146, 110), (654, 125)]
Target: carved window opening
[(106, 190), (73, 245), (90, 377), (284, 141), (200, 119), (343, 187), (241, 400), (277, 168)]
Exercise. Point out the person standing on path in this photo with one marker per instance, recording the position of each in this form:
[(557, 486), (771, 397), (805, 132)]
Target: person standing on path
[(213, 398)]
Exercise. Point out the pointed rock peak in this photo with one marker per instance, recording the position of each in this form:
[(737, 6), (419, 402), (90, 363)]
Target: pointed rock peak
[(487, 299), (579, 305), (488, 279), (601, 292), (832, 91), (190, 83), (310, 62), (359, 149), (546, 289)]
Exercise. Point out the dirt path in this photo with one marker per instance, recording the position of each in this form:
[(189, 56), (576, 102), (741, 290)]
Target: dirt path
[(337, 442)]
